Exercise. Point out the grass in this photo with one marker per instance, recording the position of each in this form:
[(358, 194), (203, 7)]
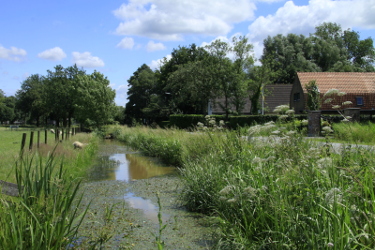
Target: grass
[(283, 192), (45, 215)]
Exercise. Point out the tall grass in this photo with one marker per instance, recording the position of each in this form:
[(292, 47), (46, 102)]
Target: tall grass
[(355, 132), (276, 193), (45, 215)]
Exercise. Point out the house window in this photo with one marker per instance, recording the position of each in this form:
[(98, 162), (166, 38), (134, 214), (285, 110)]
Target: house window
[(296, 97), (359, 100)]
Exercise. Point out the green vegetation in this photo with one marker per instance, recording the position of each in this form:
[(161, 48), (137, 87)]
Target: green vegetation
[(45, 215), (275, 192), (223, 74)]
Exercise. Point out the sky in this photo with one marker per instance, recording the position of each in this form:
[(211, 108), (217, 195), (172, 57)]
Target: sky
[(116, 37)]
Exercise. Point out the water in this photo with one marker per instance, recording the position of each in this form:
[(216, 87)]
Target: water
[(117, 162)]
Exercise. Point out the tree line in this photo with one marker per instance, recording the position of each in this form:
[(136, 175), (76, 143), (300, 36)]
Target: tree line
[(63, 95), (195, 76)]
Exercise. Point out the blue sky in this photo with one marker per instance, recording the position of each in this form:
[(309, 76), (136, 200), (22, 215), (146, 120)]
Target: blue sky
[(116, 37)]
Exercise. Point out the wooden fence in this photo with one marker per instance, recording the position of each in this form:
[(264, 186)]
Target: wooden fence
[(60, 134)]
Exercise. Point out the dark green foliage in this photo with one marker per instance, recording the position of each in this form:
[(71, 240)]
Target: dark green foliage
[(185, 121), (313, 96)]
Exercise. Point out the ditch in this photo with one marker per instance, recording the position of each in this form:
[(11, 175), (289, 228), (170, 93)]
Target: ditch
[(122, 190)]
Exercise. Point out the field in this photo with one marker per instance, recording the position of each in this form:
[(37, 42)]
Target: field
[(275, 192)]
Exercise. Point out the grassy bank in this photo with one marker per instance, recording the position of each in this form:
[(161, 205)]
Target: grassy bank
[(281, 193), (44, 215)]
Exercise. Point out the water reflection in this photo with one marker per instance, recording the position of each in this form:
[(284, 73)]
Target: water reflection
[(149, 209), (126, 167)]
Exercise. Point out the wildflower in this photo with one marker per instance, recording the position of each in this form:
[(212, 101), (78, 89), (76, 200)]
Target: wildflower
[(283, 117), (281, 109), (304, 122), (347, 103), (290, 112), (333, 195), (222, 123), (200, 124), (324, 162), (336, 106), (276, 132), (330, 244), (227, 190), (291, 132), (331, 92), (233, 200), (341, 93), (327, 129), (328, 100), (252, 192), (269, 123), (257, 160)]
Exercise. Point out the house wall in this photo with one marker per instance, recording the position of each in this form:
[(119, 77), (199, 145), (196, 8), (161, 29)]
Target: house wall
[(297, 104)]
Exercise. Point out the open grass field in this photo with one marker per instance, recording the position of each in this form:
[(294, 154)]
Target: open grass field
[(10, 147)]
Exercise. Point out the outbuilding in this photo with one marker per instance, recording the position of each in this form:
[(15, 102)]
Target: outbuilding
[(358, 86)]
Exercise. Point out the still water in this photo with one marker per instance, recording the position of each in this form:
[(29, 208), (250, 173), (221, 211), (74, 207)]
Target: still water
[(118, 163)]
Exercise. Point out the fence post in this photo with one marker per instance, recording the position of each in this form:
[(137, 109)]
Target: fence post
[(31, 140), (23, 141), (38, 139), (45, 136), (62, 134), (57, 134)]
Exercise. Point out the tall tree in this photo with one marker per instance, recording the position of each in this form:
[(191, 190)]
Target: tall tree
[(94, 106), (141, 88), (31, 98), (243, 61)]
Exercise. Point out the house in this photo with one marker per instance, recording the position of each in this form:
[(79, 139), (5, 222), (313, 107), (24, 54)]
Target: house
[(358, 86), (275, 95)]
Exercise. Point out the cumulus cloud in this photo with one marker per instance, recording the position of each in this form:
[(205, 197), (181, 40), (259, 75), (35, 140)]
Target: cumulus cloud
[(303, 19), (121, 94), (126, 43), (54, 54), (86, 60), (12, 54), (159, 19), (156, 64), (152, 46)]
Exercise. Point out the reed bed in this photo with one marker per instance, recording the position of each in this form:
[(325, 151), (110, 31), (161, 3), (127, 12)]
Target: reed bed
[(280, 192)]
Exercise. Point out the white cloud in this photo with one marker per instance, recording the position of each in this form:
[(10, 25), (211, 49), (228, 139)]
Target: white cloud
[(12, 54), (303, 19), (86, 60), (156, 64), (126, 43), (152, 46), (121, 93), (163, 20), (54, 54)]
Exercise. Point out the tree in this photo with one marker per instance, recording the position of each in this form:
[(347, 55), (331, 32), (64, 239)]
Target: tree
[(291, 53), (141, 88), (243, 61), (178, 87), (31, 98), (220, 68), (94, 105)]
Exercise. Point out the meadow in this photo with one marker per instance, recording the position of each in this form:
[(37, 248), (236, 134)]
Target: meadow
[(45, 214), (279, 191)]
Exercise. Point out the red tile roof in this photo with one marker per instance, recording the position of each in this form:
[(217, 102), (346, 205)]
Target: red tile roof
[(349, 82)]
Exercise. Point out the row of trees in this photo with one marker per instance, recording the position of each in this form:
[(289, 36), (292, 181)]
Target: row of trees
[(62, 95), (195, 76)]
